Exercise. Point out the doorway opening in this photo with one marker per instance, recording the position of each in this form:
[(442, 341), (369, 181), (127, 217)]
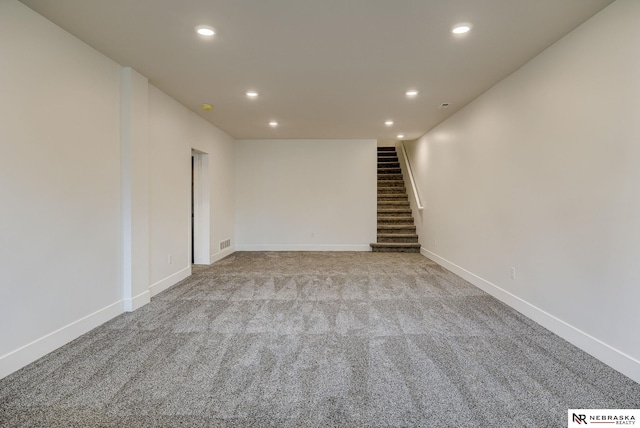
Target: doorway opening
[(199, 238)]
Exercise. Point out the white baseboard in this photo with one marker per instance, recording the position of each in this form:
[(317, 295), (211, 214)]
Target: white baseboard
[(167, 282), (614, 358), (277, 247), (138, 301), (40, 347), (222, 254)]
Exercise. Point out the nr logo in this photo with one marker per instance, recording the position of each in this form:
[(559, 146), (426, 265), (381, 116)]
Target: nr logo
[(580, 419)]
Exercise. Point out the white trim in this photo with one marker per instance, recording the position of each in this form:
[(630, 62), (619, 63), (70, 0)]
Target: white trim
[(279, 247), (40, 347), (138, 301), (201, 208), (167, 282), (222, 254), (613, 357)]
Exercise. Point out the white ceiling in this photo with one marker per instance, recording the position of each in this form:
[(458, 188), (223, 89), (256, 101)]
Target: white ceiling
[(323, 68)]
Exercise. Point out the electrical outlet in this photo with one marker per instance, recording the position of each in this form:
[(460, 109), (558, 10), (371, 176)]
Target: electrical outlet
[(513, 272)]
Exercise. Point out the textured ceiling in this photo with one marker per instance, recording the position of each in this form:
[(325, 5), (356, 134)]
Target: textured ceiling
[(323, 68)]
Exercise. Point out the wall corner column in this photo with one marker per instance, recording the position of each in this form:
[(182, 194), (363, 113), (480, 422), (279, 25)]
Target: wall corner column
[(134, 179)]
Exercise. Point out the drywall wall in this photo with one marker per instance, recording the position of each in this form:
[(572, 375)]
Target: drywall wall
[(95, 187), (134, 187), (173, 132), (220, 150), (305, 194), (541, 174), (60, 254)]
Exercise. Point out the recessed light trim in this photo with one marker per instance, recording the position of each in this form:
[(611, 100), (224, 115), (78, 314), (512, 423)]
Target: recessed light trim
[(412, 92), (252, 94), (205, 30), (389, 123), (273, 124), (461, 28)]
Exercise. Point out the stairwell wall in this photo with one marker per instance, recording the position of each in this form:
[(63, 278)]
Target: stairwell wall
[(541, 174), (306, 194)]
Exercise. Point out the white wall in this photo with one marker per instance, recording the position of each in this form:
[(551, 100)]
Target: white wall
[(542, 173), (305, 194), (134, 187), (220, 149), (95, 186), (59, 187), (174, 131)]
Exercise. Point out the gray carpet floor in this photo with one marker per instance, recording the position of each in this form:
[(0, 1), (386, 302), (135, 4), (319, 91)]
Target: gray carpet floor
[(318, 340)]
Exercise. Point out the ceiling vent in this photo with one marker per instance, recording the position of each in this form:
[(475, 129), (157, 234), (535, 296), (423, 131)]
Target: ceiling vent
[(444, 105)]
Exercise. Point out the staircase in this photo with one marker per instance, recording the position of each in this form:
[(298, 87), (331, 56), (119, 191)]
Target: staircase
[(396, 230)]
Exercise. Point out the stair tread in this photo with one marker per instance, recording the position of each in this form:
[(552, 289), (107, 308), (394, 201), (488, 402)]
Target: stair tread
[(396, 244), (386, 227)]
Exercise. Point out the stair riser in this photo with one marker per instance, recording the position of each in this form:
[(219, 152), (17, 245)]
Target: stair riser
[(392, 196), (392, 191), (387, 231), (384, 221), (384, 177), (410, 239), (390, 183), (396, 228), (389, 197), (395, 250), (394, 211), (386, 171), (392, 204)]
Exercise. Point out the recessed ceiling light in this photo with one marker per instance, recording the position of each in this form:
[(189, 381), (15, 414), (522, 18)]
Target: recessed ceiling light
[(400, 136), (412, 93), (273, 124), (205, 30), (461, 28), (252, 94), (389, 122)]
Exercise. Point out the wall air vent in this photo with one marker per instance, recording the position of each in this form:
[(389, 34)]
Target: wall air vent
[(225, 244)]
